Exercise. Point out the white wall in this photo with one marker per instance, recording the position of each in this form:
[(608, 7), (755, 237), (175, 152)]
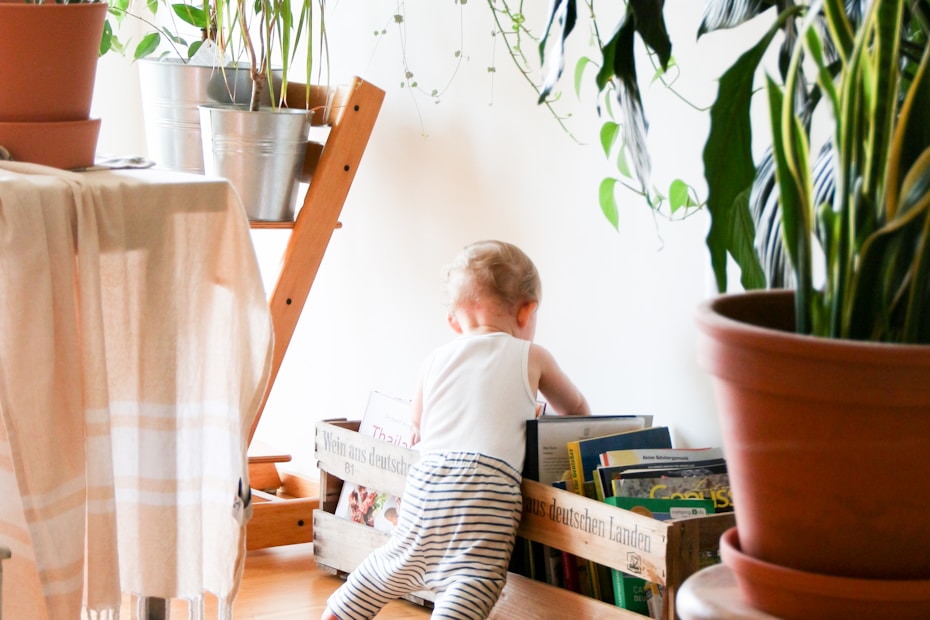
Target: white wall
[(485, 161)]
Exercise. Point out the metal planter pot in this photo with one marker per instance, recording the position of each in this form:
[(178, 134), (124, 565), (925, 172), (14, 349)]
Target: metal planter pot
[(172, 91), (261, 153)]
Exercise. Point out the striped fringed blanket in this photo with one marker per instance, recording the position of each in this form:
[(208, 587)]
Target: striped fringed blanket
[(135, 347)]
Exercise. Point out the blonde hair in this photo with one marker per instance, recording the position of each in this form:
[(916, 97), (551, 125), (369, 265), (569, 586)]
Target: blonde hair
[(492, 271)]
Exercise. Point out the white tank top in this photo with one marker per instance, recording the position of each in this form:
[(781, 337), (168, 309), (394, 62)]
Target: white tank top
[(477, 397)]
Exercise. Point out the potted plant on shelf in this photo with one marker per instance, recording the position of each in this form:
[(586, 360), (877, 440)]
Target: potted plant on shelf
[(823, 390), (49, 54), (261, 149), (221, 54)]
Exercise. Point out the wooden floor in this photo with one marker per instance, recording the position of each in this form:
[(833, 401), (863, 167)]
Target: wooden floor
[(283, 583)]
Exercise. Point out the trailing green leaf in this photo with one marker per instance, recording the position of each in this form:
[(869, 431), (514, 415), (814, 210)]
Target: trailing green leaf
[(679, 196), (608, 201), (580, 66), (609, 132)]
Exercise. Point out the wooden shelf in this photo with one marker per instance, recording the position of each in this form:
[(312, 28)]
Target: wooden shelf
[(287, 225)]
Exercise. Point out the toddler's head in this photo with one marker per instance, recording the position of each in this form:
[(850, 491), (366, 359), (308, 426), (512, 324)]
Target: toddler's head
[(492, 272)]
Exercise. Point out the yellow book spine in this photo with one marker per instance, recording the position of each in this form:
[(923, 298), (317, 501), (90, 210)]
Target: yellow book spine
[(574, 465)]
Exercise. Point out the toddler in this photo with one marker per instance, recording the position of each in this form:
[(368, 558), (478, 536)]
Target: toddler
[(462, 502)]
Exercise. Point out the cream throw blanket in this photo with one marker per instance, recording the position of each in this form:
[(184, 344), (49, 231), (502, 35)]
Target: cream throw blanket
[(135, 347)]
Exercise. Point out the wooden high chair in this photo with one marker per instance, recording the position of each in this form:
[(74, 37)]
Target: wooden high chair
[(283, 504)]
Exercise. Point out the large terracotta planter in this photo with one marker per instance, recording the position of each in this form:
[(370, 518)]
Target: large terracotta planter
[(827, 441), (49, 60), (48, 63)]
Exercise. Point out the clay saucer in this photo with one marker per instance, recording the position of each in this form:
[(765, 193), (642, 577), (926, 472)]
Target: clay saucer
[(789, 593), (60, 144)]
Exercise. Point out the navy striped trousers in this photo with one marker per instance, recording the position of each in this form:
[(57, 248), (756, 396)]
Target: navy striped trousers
[(458, 521)]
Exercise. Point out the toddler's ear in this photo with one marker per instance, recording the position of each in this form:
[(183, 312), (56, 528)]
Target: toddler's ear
[(454, 323), (525, 311)]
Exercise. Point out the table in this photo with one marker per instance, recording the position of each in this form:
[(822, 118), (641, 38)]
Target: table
[(712, 594), (135, 348)]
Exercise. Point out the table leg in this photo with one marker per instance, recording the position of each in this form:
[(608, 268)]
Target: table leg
[(154, 608), (4, 554)]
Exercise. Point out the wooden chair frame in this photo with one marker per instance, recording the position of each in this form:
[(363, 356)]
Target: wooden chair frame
[(282, 511)]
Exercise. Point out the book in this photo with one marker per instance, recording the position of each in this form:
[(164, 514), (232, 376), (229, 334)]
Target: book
[(604, 476), (584, 455), (635, 593), (661, 455), (546, 461), (680, 470), (386, 418), (547, 438), (683, 483)]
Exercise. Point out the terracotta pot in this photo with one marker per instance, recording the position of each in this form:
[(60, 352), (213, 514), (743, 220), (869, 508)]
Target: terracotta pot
[(796, 595), (827, 441), (62, 144), (49, 54)]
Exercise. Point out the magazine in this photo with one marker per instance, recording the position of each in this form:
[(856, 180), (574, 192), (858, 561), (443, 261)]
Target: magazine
[(389, 419)]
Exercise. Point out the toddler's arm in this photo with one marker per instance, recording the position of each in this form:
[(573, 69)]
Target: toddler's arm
[(548, 378)]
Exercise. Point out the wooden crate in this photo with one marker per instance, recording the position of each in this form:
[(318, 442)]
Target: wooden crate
[(665, 552)]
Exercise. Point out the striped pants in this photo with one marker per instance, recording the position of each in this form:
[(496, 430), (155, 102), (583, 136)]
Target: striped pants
[(458, 521)]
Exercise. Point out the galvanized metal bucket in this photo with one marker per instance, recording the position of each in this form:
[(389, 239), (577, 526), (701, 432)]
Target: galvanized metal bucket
[(171, 93), (261, 153)]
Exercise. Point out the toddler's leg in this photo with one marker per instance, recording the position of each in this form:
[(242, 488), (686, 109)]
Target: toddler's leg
[(468, 599), (370, 587)]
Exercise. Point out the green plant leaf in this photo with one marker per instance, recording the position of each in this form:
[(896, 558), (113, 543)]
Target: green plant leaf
[(619, 71), (650, 24), (623, 165), (580, 66), (912, 132), (723, 14), (608, 201), (678, 195), (609, 132), (147, 45), (193, 47), (840, 29), (917, 186), (190, 15), (794, 187), (660, 71), (729, 170), (106, 39), (562, 17)]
